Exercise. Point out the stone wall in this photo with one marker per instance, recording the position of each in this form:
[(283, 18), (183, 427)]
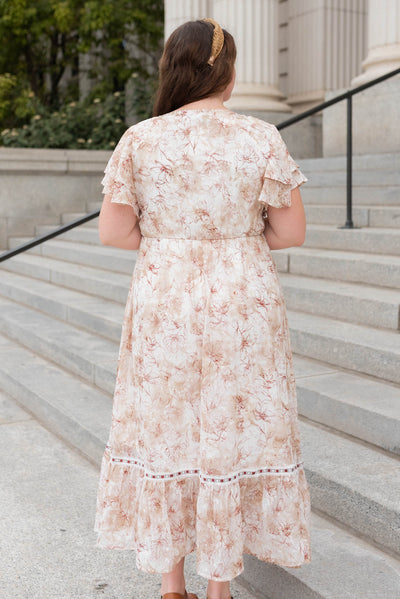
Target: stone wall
[(376, 121), (38, 185)]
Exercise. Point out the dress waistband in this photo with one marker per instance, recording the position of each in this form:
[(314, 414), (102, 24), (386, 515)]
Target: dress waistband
[(203, 238)]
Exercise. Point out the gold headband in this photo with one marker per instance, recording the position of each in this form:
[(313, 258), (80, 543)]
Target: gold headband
[(218, 41)]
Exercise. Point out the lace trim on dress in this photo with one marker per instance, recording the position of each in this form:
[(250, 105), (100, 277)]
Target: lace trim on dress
[(204, 478)]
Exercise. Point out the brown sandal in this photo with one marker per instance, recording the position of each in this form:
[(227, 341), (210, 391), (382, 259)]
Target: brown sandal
[(186, 595)]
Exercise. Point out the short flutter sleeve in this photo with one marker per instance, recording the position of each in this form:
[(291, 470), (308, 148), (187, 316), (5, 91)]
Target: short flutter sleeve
[(119, 180), (282, 173)]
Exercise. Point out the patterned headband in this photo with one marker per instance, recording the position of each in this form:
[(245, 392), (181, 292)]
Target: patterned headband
[(218, 41)]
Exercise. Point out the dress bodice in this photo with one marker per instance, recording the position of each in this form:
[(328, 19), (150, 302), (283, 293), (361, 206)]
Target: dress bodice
[(201, 174)]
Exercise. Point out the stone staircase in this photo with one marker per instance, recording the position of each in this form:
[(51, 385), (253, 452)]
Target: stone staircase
[(61, 310)]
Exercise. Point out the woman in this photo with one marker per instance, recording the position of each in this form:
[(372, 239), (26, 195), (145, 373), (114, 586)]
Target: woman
[(204, 448)]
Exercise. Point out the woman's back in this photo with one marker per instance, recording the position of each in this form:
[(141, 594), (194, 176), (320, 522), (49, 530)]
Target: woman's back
[(202, 174)]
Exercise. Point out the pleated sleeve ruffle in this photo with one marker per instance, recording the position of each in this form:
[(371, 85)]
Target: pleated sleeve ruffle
[(282, 173), (119, 179)]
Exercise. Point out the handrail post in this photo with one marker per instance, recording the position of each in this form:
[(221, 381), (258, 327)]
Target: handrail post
[(349, 166), (349, 222)]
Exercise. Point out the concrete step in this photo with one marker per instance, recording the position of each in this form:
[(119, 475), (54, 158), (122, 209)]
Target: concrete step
[(68, 217), (105, 257), (92, 313), (340, 265), (94, 281), (348, 481), (78, 412), (361, 162), (364, 178), (103, 317), (358, 348), (85, 354), (363, 216), (372, 306), (81, 416), (368, 239), (371, 195), (379, 270), (352, 302), (343, 567), (354, 484), (366, 408), (368, 350), (82, 234)]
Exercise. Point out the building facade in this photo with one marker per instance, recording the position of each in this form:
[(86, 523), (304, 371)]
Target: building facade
[(293, 54)]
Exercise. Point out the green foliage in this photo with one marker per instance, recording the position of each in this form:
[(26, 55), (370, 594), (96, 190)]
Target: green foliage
[(42, 46), (93, 125), (16, 100)]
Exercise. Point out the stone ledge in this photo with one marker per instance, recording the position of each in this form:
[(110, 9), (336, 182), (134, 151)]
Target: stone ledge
[(43, 160)]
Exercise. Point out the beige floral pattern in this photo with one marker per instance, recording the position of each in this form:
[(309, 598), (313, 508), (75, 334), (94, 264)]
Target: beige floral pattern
[(204, 449)]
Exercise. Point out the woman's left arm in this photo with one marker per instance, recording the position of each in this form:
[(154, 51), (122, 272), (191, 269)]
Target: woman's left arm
[(119, 225)]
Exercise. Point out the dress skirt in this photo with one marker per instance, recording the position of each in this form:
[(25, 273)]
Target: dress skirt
[(204, 448)]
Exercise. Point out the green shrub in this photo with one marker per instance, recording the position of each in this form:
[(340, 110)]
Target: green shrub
[(91, 124)]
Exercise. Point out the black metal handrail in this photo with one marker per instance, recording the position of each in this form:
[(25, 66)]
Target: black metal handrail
[(46, 236), (348, 95)]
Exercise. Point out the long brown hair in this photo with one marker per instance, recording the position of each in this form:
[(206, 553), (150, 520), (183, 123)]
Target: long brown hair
[(184, 75)]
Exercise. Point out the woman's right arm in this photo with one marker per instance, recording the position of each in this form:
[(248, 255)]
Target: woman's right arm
[(286, 227)]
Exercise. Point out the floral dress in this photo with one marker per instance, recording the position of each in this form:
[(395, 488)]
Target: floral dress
[(204, 449)]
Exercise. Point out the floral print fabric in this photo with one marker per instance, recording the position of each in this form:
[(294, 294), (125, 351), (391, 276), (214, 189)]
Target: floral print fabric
[(204, 449)]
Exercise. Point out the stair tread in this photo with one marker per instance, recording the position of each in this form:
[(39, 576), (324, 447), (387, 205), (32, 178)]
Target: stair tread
[(342, 565), (59, 334), (387, 161), (106, 258), (313, 226), (342, 288), (87, 407), (348, 388), (107, 268), (342, 254), (371, 473), (363, 230), (386, 207), (381, 339), (68, 297), (372, 337), (306, 282), (102, 249), (303, 250), (116, 278)]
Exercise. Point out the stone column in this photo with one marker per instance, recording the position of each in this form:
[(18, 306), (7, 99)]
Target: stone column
[(326, 44), (383, 40), (180, 11), (254, 25)]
